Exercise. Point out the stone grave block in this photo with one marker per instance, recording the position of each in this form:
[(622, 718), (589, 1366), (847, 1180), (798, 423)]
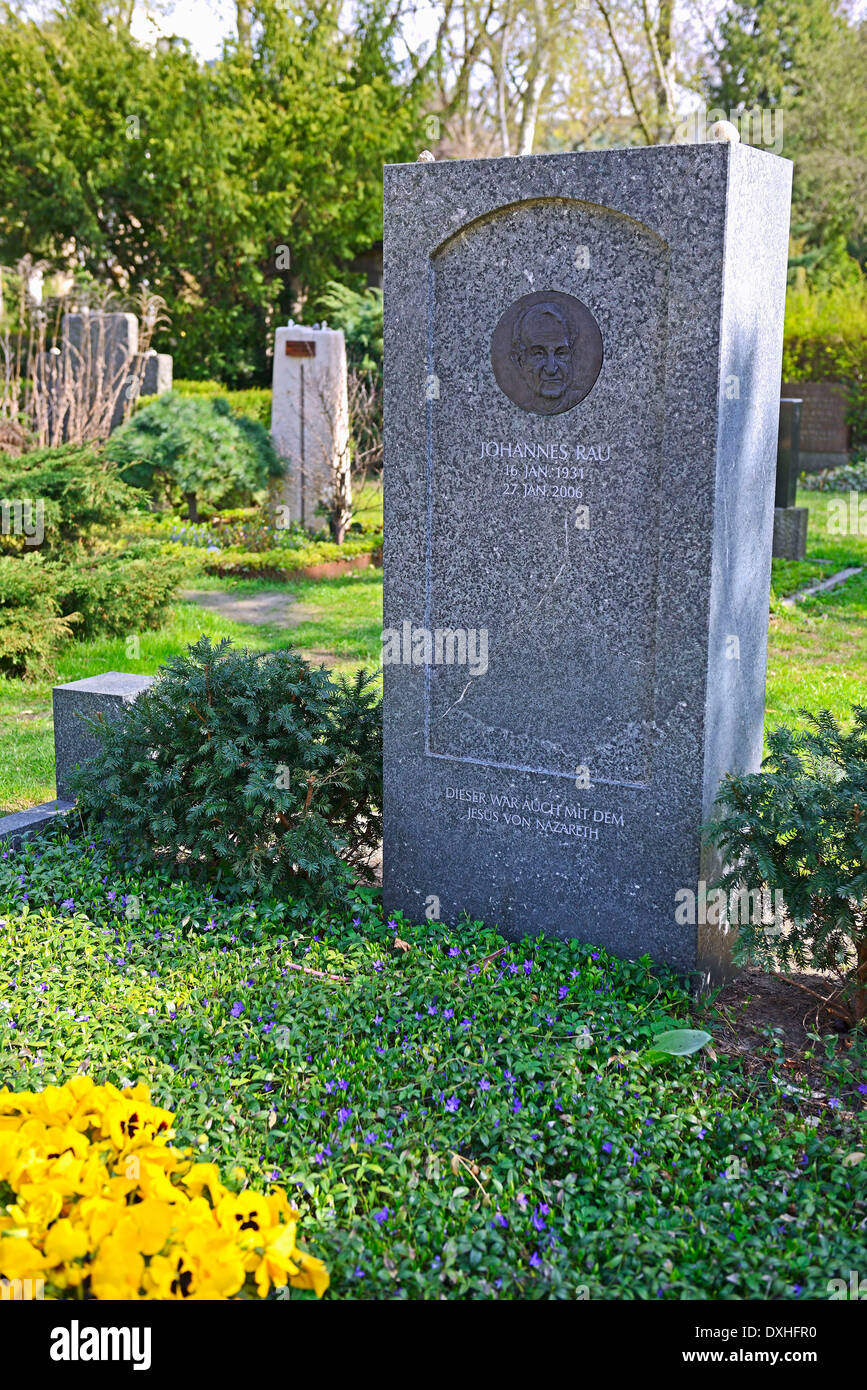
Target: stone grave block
[(310, 420), (790, 522), (103, 342), (106, 696), (582, 372)]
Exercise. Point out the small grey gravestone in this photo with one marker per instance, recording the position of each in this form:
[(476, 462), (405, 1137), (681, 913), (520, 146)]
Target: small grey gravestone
[(74, 742), (582, 367)]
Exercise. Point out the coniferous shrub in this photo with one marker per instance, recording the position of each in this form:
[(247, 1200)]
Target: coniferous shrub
[(79, 491), (31, 623), (800, 827), (254, 769), (194, 448), (118, 596)]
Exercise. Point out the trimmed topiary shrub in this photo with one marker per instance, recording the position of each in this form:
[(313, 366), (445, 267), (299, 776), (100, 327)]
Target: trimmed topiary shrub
[(255, 769), (195, 449)]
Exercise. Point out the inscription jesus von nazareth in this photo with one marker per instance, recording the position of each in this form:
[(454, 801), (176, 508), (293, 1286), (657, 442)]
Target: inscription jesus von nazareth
[(546, 352)]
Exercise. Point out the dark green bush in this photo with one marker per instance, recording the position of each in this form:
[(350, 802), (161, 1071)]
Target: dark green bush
[(31, 623), (80, 489), (254, 768), (194, 448), (800, 827), (118, 596)]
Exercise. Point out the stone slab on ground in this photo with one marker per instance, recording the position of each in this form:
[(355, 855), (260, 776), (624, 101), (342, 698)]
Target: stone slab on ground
[(104, 696), (22, 825), (821, 586)]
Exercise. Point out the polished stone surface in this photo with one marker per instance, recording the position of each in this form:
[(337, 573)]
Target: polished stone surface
[(577, 596), (104, 696)]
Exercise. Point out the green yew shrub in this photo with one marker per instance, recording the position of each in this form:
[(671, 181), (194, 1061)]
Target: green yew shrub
[(31, 623), (255, 769), (81, 491), (800, 827)]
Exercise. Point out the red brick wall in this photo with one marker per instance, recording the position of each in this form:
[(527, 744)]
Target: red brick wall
[(823, 415)]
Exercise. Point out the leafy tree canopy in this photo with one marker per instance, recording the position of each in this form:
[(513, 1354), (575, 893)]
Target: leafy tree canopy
[(235, 189)]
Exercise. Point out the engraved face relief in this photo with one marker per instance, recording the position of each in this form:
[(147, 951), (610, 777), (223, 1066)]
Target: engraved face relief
[(546, 352)]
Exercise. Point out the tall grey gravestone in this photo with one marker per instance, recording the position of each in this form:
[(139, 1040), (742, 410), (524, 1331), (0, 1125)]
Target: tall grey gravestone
[(310, 420), (582, 367)]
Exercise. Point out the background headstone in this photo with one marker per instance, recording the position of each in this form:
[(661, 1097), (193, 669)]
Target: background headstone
[(310, 419), (106, 695), (102, 349), (607, 561), (825, 434), (790, 522), (157, 373), (105, 340)]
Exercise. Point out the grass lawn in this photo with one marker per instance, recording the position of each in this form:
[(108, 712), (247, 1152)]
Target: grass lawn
[(349, 627), (455, 1118), (817, 651)]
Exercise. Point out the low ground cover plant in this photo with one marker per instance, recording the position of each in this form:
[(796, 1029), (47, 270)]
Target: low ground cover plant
[(250, 768), (849, 477), (454, 1115), (95, 1202)]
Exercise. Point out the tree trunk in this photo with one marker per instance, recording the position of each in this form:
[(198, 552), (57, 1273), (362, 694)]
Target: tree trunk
[(192, 506)]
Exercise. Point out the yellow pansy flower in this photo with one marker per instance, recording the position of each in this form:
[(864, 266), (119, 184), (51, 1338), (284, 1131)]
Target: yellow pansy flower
[(205, 1175), (117, 1270), (37, 1206), (65, 1242), (19, 1259)]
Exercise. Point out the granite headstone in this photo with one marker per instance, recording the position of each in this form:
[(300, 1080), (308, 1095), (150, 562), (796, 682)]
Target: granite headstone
[(582, 367), (790, 522)]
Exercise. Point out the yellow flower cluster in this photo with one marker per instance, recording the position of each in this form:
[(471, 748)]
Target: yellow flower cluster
[(95, 1202)]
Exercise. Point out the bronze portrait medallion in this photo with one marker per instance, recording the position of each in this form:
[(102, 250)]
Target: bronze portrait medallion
[(546, 352)]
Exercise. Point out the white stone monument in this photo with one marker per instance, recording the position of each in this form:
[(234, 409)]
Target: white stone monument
[(310, 424)]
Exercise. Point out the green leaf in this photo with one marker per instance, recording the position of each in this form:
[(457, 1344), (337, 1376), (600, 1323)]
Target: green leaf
[(678, 1042)]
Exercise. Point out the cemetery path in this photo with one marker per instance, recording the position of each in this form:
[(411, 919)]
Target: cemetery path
[(266, 608)]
